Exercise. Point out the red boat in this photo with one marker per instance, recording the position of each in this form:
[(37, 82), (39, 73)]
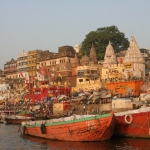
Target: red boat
[(73, 128), (133, 123)]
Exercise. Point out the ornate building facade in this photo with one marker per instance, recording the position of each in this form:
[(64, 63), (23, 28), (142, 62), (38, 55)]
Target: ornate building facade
[(61, 64), (129, 65), (22, 65), (134, 62), (10, 69), (88, 72)]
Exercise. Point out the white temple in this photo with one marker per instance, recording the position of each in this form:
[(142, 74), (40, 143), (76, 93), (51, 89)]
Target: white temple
[(110, 57), (134, 61)]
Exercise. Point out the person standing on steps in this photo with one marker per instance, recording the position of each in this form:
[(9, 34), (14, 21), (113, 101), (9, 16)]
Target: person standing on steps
[(84, 108)]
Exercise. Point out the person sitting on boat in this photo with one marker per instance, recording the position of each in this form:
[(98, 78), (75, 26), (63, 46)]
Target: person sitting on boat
[(34, 114), (49, 114)]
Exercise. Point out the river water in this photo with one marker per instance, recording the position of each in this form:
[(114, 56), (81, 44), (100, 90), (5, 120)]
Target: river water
[(10, 139)]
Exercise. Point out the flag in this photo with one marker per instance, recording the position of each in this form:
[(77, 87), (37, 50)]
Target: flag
[(40, 77), (21, 74), (43, 71)]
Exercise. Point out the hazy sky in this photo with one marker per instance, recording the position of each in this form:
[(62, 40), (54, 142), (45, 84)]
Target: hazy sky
[(48, 24)]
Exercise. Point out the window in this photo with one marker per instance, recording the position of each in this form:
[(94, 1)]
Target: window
[(93, 71), (88, 71), (80, 80)]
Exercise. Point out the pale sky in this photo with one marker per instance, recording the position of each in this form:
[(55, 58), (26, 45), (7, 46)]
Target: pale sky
[(48, 24)]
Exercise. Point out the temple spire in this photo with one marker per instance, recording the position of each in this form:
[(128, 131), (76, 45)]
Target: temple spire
[(110, 57), (93, 56), (133, 53), (135, 58), (76, 59)]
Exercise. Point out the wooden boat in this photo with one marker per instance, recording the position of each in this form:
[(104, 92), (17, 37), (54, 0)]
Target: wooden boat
[(4, 113), (72, 128), (133, 123), (40, 117), (16, 119)]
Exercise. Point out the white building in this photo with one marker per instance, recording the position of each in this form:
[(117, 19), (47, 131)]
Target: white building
[(134, 62), (122, 103), (77, 48)]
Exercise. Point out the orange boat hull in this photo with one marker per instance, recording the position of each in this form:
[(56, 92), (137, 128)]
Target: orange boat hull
[(97, 128), (139, 126)]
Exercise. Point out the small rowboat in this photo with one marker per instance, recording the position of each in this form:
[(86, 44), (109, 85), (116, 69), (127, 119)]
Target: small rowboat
[(16, 119)]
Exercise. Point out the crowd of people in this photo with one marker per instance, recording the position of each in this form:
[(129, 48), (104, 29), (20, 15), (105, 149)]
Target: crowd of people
[(38, 108)]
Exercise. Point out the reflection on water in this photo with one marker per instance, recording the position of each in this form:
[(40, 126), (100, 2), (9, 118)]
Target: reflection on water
[(61, 145), (10, 139)]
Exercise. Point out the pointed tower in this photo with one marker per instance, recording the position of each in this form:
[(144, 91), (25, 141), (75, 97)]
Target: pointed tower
[(134, 57), (110, 57), (76, 60), (93, 56)]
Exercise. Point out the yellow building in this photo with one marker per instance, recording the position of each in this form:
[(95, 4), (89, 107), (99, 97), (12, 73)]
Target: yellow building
[(113, 73), (88, 78), (32, 58)]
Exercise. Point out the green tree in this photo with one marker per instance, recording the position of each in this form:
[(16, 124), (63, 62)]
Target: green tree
[(59, 78), (101, 37)]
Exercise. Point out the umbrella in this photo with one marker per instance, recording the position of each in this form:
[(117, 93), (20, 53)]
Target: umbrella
[(62, 96), (87, 93), (81, 94), (91, 96), (108, 95)]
